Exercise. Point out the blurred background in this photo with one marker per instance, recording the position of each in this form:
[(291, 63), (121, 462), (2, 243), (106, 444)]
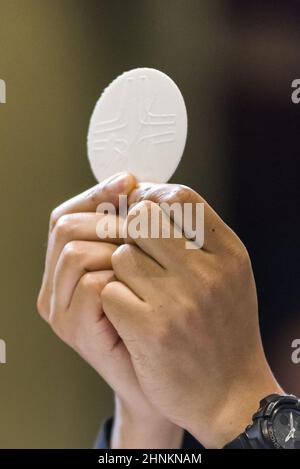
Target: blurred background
[(234, 63)]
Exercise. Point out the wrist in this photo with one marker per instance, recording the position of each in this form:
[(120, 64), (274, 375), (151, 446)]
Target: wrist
[(237, 406), (143, 427)]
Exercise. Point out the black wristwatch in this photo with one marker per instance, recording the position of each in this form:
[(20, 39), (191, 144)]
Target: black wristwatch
[(276, 425)]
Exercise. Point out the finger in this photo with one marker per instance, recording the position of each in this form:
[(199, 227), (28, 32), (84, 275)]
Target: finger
[(124, 310), (86, 298), (138, 271), (72, 227), (76, 259), (107, 191), (212, 228), (152, 230), (85, 310)]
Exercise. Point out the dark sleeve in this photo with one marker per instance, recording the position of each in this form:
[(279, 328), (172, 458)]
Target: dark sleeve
[(103, 439)]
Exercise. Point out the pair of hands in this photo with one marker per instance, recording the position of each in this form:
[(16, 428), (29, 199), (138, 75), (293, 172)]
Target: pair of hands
[(173, 331)]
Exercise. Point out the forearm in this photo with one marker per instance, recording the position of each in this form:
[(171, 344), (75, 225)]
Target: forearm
[(134, 429)]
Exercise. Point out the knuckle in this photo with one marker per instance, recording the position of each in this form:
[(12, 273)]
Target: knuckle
[(90, 282), (181, 193), (170, 193), (157, 193), (123, 254), (63, 227), (143, 212), (144, 206), (117, 258), (108, 292), (72, 253), (53, 218), (147, 192)]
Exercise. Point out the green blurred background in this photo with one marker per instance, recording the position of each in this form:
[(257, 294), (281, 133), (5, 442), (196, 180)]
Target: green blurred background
[(56, 57)]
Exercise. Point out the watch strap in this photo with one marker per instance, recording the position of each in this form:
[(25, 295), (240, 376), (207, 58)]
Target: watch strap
[(253, 436), (238, 443)]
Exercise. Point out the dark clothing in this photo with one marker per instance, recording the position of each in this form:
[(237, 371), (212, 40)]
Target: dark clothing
[(103, 438)]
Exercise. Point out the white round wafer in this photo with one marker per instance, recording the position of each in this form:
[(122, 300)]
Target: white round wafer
[(139, 124)]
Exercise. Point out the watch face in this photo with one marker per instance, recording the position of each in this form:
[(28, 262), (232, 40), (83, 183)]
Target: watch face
[(286, 428)]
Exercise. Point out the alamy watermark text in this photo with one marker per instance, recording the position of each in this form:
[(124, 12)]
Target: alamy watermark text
[(2, 91)]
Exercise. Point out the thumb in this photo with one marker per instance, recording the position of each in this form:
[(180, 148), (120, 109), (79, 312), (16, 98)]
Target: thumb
[(110, 189), (88, 201)]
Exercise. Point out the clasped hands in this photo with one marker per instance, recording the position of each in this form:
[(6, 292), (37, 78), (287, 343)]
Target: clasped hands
[(173, 331)]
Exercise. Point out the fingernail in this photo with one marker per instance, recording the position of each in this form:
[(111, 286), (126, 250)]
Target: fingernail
[(120, 183)]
